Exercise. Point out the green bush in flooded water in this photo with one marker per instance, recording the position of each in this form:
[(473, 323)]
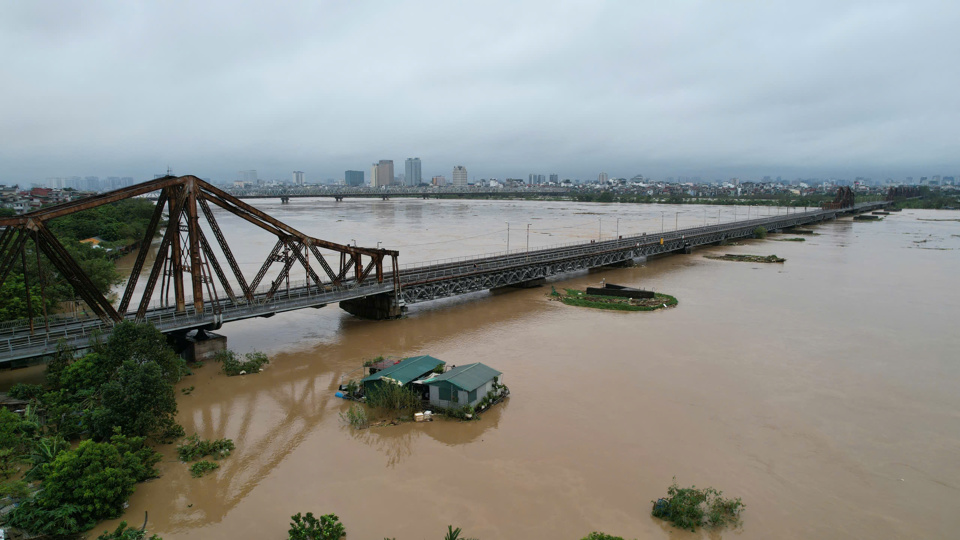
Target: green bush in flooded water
[(356, 416), (689, 508), (307, 527), (760, 232), (234, 365)]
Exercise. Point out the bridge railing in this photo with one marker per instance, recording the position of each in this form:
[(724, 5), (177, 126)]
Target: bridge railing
[(596, 245)]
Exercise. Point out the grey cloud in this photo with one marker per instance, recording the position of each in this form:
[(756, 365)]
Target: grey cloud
[(505, 88)]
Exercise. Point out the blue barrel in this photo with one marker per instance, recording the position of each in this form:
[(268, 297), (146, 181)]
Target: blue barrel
[(340, 395)]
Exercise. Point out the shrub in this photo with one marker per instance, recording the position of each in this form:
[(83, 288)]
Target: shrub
[(25, 391), (601, 536), (233, 365), (307, 527), (122, 532), (760, 232), (16, 490), (454, 534), (201, 468), (393, 397), (193, 448), (86, 485), (689, 508), (356, 416)]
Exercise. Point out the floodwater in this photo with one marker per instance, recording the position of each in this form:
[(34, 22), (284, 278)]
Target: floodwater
[(823, 391)]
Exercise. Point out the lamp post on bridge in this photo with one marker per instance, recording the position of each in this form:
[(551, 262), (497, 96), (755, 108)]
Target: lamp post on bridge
[(508, 236), (600, 229), (661, 222), (618, 228), (676, 221), (528, 237)]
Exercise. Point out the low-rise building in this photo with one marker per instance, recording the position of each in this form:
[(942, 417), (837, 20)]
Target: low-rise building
[(462, 386), (403, 372)]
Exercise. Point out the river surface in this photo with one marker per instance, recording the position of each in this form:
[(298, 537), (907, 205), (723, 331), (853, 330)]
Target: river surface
[(824, 391)]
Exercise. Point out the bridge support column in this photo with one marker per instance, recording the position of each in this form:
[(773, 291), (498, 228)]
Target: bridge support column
[(377, 307), (200, 347), (687, 250)]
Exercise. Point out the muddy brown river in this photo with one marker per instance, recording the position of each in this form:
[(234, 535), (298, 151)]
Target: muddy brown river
[(824, 391)]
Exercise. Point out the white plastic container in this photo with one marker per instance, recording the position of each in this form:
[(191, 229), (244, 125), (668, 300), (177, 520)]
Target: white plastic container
[(418, 417)]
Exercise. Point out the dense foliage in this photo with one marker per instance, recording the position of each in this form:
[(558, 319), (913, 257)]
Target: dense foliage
[(118, 224), (193, 447), (201, 468), (113, 398), (689, 508), (86, 485), (233, 365), (307, 527)]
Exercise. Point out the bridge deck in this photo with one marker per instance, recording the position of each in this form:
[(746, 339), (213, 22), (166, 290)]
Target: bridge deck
[(418, 283)]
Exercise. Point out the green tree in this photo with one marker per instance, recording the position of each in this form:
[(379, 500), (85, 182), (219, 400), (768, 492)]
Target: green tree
[(143, 342), (86, 485), (139, 401)]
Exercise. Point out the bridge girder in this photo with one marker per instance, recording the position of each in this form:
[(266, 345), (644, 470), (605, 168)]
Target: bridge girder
[(184, 251)]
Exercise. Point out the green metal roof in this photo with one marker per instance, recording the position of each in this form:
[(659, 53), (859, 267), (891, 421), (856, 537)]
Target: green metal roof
[(468, 377), (407, 370)]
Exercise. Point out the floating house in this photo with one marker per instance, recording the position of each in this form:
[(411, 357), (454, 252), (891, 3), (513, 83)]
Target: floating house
[(403, 372), (462, 385)]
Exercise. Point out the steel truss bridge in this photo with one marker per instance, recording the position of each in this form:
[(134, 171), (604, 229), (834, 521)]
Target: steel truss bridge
[(195, 292)]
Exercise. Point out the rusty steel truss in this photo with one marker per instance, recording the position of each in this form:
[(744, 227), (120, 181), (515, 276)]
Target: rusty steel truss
[(186, 267)]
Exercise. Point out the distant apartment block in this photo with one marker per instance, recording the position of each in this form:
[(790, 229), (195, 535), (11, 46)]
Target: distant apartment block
[(554, 178), (247, 176), (459, 177), (439, 181), (298, 178), (382, 173), (412, 176), (353, 178)]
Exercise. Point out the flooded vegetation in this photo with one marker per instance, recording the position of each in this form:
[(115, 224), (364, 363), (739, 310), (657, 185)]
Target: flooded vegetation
[(746, 258)]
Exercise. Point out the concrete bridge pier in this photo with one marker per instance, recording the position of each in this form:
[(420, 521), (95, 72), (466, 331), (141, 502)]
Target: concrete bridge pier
[(202, 346), (376, 307)]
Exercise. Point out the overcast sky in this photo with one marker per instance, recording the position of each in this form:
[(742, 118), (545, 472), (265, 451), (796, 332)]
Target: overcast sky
[(715, 89)]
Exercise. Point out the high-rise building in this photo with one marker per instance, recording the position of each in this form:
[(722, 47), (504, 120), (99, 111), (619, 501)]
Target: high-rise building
[(298, 178), (411, 170), (554, 178), (247, 176), (459, 177), (384, 173), (353, 178), (373, 176), (439, 181), (603, 178)]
